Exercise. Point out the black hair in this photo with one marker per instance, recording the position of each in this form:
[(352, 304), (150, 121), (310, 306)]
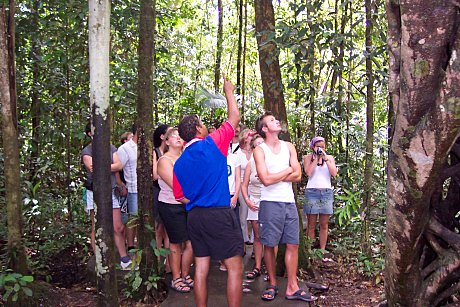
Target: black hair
[(88, 129), (187, 127), (134, 128), (161, 129)]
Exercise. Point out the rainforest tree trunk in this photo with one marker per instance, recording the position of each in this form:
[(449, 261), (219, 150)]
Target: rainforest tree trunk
[(422, 265), (220, 33), (99, 42), (146, 52), (17, 260)]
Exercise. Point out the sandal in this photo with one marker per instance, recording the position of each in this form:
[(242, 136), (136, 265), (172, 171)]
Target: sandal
[(270, 293), (253, 274), (189, 281), (306, 297), (179, 285)]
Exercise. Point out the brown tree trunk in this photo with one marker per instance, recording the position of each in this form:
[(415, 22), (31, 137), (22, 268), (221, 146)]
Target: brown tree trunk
[(240, 46), (99, 38), (220, 32), (35, 107), (17, 260), (422, 265), (243, 77), (369, 163), (146, 52), (268, 59)]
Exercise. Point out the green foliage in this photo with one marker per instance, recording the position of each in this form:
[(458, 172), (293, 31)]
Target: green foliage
[(134, 279), (13, 284), (348, 208)]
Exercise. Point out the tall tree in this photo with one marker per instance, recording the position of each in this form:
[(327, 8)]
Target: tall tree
[(220, 39), (35, 106), (269, 59), (17, 260), (422, 265), (369, 157), (273, 91), (146, 52), (99, 42)]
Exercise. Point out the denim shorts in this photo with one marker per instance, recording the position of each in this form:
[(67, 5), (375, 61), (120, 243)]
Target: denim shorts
[(132, 203), (318, 201)]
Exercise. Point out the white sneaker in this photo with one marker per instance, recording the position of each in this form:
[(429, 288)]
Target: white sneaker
[(126, 266)]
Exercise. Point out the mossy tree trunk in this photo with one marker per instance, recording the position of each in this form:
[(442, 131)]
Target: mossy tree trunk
[(422, 244), (17, 260), (99, 43), (146, 52)]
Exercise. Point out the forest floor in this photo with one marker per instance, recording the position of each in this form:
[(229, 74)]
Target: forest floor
[(346, 286)]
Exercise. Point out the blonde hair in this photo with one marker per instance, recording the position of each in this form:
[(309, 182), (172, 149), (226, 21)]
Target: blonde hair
[(254, 138), (168, 133), (243, 136)]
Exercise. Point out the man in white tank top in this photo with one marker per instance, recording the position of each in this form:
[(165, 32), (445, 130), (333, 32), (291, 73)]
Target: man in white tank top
[(277, 167)]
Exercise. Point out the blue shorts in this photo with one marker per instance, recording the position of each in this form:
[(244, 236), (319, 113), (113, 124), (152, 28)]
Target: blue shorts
[(279, 223), (318, 201), (132, 203)]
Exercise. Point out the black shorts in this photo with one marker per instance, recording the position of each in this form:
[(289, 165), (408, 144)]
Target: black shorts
[(174, 218), (215, 232), (156, 214)]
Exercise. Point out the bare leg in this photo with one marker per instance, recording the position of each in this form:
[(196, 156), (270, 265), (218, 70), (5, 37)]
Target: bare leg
[(201, 279), (311, 225), (323, 230), (234, 280), (269, 257), (131, 232), (175, 260), (93, 232), (257, 245), (118, 229), (291, 259), (187, 258)]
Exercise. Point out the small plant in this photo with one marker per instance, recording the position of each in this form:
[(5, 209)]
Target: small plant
[(11, 285)]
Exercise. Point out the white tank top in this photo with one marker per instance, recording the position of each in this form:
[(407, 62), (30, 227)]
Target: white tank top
[(166, 193), (281, 191), (320, 178)]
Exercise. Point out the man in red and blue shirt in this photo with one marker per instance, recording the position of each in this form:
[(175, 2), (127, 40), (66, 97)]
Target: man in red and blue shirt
[(200, 182)]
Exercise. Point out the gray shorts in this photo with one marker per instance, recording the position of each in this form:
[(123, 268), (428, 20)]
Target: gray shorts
[(279, 223)]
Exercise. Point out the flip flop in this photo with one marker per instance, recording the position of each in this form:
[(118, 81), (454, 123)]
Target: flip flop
[(301, 297), (271, 291)]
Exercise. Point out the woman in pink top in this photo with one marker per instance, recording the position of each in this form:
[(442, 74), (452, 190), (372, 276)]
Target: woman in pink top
[(174, 216)]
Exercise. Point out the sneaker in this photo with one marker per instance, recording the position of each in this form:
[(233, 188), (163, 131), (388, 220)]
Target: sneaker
[(126, 266)]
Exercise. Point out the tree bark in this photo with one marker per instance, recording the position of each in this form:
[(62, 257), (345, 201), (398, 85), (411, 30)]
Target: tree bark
[(35, 107), (369, 157), (220, 32), (146, 52), (422, 265), (268, 59), (17, 260), (99, 43)]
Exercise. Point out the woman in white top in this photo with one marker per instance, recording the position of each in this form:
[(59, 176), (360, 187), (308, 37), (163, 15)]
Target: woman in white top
[(319, 167), (250, 190), (244, 154), (174, 215)]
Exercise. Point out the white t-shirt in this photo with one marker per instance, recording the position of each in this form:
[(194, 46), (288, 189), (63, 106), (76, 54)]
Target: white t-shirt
[(243, 161), (232, 163), (128, 157)]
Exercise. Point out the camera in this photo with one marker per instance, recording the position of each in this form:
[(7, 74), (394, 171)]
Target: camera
[(319, 151)]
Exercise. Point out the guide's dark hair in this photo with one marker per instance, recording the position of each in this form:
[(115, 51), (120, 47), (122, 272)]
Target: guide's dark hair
[(187, 127), (161, 129), (260, 123), (88, 128)]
